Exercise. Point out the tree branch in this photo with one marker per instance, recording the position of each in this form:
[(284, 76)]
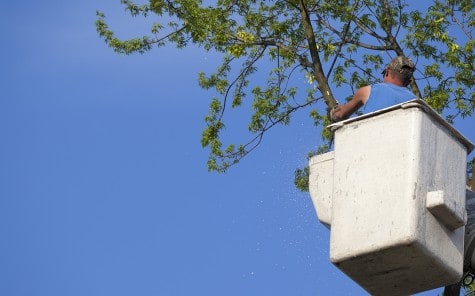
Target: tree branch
[(316, 62), (254, 142), (344, 33), (242, 74)]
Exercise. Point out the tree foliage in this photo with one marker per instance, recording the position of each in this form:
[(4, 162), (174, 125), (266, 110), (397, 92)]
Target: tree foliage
[(333, 43)]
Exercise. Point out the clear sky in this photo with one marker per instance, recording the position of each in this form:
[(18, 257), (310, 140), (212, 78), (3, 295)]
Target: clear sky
[(103, 183)]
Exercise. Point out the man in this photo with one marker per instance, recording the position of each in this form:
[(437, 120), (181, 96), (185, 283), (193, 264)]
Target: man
[(393, 90)]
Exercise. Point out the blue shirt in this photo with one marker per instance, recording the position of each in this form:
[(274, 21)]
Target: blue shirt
[(383, 95)]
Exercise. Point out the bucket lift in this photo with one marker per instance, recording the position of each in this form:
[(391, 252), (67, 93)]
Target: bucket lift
[(393, 194)]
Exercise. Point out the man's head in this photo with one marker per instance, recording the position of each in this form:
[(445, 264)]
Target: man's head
[(401, 68)]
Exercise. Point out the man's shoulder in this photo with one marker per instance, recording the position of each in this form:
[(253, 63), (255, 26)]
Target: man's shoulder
[(364, 88), (362, 93), (383, 85), (387, 85)]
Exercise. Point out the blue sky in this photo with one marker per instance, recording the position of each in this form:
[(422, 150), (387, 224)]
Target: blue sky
[(103, 183)]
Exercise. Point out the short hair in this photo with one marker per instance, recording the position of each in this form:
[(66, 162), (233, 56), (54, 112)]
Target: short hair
[(405, 78)]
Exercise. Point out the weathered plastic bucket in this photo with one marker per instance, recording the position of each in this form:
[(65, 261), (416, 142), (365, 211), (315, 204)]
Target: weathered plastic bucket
[(393, 195)]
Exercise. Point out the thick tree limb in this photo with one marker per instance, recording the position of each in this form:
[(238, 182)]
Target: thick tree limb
[(316, 62)]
